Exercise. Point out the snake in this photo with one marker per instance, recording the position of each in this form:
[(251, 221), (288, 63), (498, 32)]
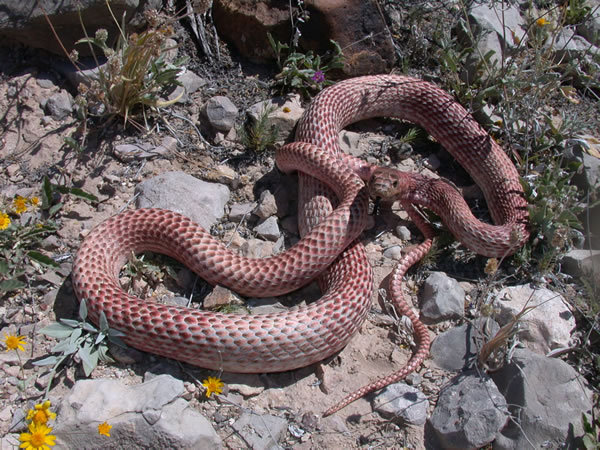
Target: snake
[(333, 205)]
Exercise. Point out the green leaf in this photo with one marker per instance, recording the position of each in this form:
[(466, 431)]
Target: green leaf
[(48, 361), (42, 259), (54, 209), (4, 267), (86, 195), (89, 359), (103, 322), (83, 310), (57, 330), (71, 323), (11, 285), (66, 347), (89, 327), (46, 193)]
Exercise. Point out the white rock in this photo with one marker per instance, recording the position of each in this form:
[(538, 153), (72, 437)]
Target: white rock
[(547, 326)]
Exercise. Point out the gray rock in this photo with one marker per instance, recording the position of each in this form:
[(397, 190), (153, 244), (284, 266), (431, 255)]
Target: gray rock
[(442, 298), (240, 210), (267, 206), (470, 411), (582, 262), (261, 431), (403, 233), (350, 142), (153, 409), (394, 252), (546, 396), (221, 113), (547, 326), (143, 150), (268, 229), (190, 83), (457, 348), (402, 401), (590, 28), (24, 22), (493, 26), (202, 202), (567, 44), (284, 114), (59, 105)]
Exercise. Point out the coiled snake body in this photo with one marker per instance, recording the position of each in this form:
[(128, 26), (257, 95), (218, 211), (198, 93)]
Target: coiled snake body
[(329, 248)]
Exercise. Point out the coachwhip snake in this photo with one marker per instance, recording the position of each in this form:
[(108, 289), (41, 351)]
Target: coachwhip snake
[(329, 249)]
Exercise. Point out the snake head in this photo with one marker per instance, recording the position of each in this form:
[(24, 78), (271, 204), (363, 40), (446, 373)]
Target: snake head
[(388, 184)]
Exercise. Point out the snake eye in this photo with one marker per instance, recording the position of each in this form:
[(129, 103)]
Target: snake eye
[(395, 184)]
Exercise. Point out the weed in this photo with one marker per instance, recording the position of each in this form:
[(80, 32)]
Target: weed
[(136, 74), (259, 134), (305, 72), (20, 239), (591, 437), (81, 338)]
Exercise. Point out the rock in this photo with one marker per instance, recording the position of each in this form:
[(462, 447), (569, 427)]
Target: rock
[(268, 229), (153, 409), (494, 26), (547, 398), (569, 45), (442, 298), (190, 83), (59, 105), (240, 210), (267, 206), (590, 28), (394, 252), (261, 431), (457, 348), (220, 112), (548, 326), (202, 202), (221, 296), (257, 248), (222, 174), (403, 233), (470, 411), (143, 150), (350, 142), (284, 114), (402, 401), (245, 24), (267, 305), (358, 27), (582, 262), (24, 22)]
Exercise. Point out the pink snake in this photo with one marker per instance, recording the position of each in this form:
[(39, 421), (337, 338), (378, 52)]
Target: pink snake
[(329, 250)]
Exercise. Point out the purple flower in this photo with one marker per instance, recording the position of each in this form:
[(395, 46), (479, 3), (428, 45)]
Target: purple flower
[(318, 77)]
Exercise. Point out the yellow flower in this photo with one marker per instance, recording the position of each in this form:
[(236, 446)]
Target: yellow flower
[(541, 22), (104, 429), (38, 438), (14, 342), (34, 201), (213, 385), (40, 414), (4, 221), (20, 204)]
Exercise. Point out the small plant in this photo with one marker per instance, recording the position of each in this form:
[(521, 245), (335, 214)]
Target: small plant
[(591, 437), (259, 134), (576, 11), (135, 75), (304, 71), (82, 339), (20, 241)]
